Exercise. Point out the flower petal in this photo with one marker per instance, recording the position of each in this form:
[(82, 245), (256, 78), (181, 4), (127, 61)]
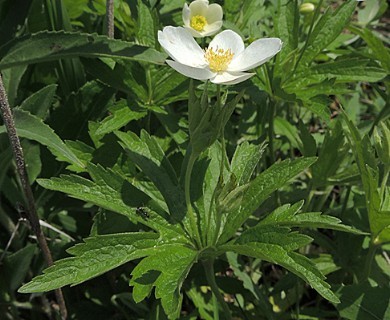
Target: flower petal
[(198, 7), (181, 46), (210, 29), (186, 14), (231, 77), (257, 53), (191, 72), (214, 13), (228, 39)]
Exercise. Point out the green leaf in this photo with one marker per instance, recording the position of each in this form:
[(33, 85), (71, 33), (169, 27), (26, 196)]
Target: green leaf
[(276, 235), (39, 103), (260, 188), (287, 215), (31, 127), (363, 302), (245, 160), (342, 70), (294, 262), (146, 30), (11, 78), (379, 50), (327, 29), (120, 115), (146, 153), (17, 265), (94, 257), (173, 262), (369, 173), (112, 192), (286, 27), (49, 46), (330, 156)]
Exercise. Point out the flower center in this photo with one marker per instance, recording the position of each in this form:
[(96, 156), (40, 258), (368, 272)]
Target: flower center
[(198, 23), (218, 59)]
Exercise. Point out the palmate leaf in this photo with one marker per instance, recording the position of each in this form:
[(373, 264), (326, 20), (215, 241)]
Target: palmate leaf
[(292, 261), (287, 215), (166, 269), (94, 257), (49, 46), (259, 189)]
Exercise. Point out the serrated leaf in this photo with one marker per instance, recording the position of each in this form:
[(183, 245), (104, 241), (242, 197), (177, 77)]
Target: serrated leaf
[(94, 257), (31, 127), (287, 215), (286, 26), (146, 31), (173, 262), (112, 192), (294, 262), (272, 234), (50, 45), (260, 188)]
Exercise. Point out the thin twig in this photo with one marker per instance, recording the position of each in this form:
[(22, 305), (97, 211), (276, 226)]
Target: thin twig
[(110, 18), (21, 169)]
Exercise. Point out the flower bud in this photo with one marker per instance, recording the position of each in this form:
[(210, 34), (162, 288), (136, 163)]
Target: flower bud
[(306, 8)]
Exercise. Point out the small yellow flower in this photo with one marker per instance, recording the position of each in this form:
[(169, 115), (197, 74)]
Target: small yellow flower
[(202, 19)]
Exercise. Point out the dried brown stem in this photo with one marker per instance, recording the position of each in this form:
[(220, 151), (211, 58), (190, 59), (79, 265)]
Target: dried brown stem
[(32, 215)]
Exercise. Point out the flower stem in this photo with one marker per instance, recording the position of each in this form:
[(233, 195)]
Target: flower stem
[(187, 191), (210, 275), (31, 211)]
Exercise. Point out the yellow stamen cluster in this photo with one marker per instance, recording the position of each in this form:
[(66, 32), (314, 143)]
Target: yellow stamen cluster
[(198, 23), (218, 59)]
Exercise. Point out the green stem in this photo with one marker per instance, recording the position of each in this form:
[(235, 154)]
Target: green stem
[(210, 275), (315, 16), (191, 213), (271, 131), (369, 260)]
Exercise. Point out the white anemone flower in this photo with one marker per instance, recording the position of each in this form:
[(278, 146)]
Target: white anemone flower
[(225, 59), (202, 19)]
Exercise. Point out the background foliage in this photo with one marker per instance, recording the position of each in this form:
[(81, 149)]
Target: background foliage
[(90, 108)]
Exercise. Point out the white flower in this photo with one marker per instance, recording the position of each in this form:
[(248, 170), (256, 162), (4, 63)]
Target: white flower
[(223, 62), (202, 19)]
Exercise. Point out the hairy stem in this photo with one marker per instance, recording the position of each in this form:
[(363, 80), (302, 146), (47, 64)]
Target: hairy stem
[(32, 215), (110, 18), (187, 185), (210, 275)]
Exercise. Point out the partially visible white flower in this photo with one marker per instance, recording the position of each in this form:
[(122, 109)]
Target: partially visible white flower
[(223, 62), (202, 19)]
